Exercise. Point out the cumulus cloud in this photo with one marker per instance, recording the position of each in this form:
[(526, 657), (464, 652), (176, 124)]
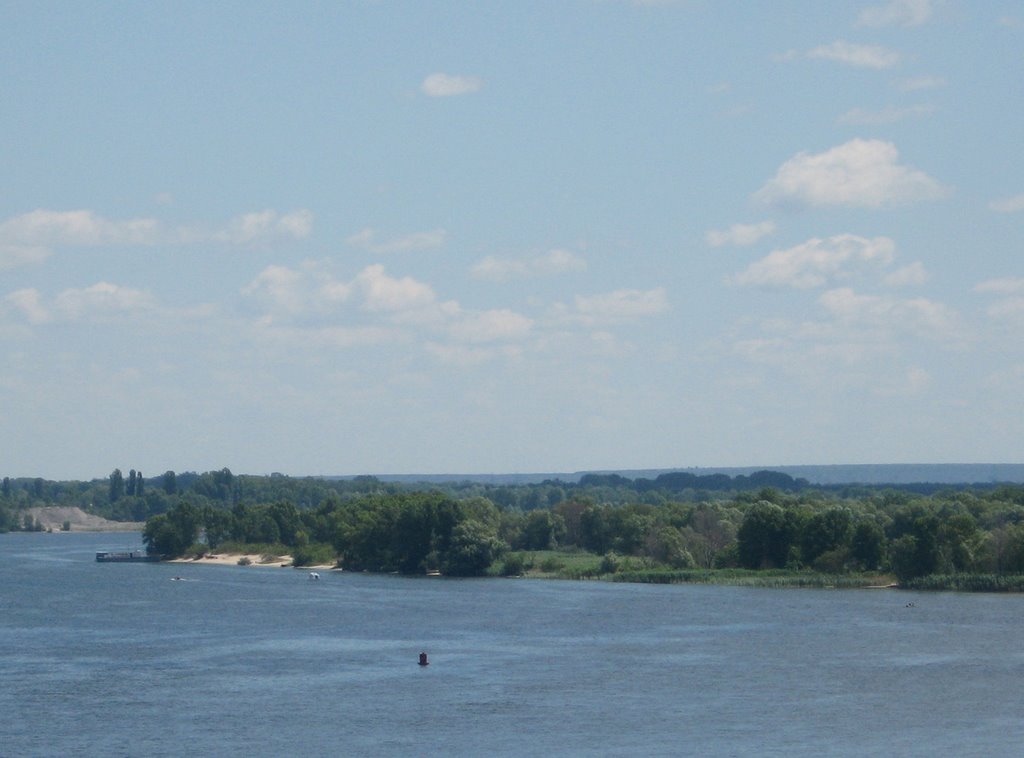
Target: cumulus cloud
[(896, 13), (367, 240), (102, 299), (551, 263), (907, 276), (1013, 204), (817, 262), (919, 316), (491, 325), (890, 115), (266, 224), (446, 85), (860, 173), (850, 54), (28, 303), (79, 227), (740, 235), (384, 293), (31, 237), (286, 292), (621, 305), (16, 256), (312, 290)]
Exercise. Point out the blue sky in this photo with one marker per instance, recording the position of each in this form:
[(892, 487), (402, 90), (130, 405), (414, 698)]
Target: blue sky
[(436, 237)]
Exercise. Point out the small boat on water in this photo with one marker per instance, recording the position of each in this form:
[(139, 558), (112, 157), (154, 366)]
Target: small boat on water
[(130, 556)]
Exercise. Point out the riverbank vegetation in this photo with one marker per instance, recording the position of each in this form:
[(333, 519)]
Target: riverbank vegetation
[(765, 529)]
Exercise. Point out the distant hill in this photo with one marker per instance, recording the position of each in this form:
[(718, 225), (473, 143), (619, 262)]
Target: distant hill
[(874, 474)]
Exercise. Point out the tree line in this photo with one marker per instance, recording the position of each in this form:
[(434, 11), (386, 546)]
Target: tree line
[(676, 521)]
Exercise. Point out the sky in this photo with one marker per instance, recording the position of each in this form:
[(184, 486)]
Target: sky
[(388, 237)]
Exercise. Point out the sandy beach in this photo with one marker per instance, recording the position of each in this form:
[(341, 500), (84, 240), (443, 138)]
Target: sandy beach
[(254, 559), (54, 517)]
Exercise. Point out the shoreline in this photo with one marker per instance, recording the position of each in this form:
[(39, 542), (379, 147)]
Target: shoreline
[(254, 559)]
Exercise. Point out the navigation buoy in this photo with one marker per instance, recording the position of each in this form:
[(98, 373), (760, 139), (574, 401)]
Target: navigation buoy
[(423, 660)]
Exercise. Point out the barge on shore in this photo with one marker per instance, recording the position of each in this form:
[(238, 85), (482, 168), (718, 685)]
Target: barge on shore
[(130, 556)]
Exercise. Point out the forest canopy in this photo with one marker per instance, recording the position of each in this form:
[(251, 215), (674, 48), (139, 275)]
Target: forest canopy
[(676, 521)]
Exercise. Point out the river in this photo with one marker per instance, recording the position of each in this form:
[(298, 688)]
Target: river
[(121, 659)]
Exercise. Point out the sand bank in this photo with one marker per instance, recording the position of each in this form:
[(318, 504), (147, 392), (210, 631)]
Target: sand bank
[(249, 559)]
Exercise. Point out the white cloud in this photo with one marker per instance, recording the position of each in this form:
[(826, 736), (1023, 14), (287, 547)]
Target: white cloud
[(30, 237), (266, 224), (740, 235), (1009, 294), (551, 263), (80, 228), (916, 83), (1013, 204), (28, 302), (16, 256), (849, 53), (907, 276), (896, 13), (367, 240), (1006, 286), (467, 356), (384, 293), (859, 173), (890, 115), (102, 299), (621, 305), (817, 262), (1010, 308), (918, 316), (336, 337), (446, 85), (286, 292), (490, 326)]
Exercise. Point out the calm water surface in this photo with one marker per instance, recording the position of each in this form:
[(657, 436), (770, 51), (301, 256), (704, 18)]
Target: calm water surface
[(117, 659)]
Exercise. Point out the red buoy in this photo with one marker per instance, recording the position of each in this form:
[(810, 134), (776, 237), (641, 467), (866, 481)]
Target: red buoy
[(423, 660)]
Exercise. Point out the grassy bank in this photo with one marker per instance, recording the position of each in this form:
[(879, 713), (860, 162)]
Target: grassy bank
[(557, 564)]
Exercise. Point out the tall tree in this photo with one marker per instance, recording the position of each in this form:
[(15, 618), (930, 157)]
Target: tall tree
[(116, 485)]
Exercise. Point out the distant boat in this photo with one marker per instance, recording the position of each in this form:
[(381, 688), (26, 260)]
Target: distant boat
[(314, 576), (131, 556)]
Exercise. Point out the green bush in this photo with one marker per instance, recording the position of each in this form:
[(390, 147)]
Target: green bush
[(313, 554), (552, 565), (515, 564), (609, 563)]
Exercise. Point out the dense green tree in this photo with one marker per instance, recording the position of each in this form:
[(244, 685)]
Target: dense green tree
[(170, 483), (764, 537), (474, 547), (594, 529), (116, 485), (867, 545), (542, 531), (824, 532)]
